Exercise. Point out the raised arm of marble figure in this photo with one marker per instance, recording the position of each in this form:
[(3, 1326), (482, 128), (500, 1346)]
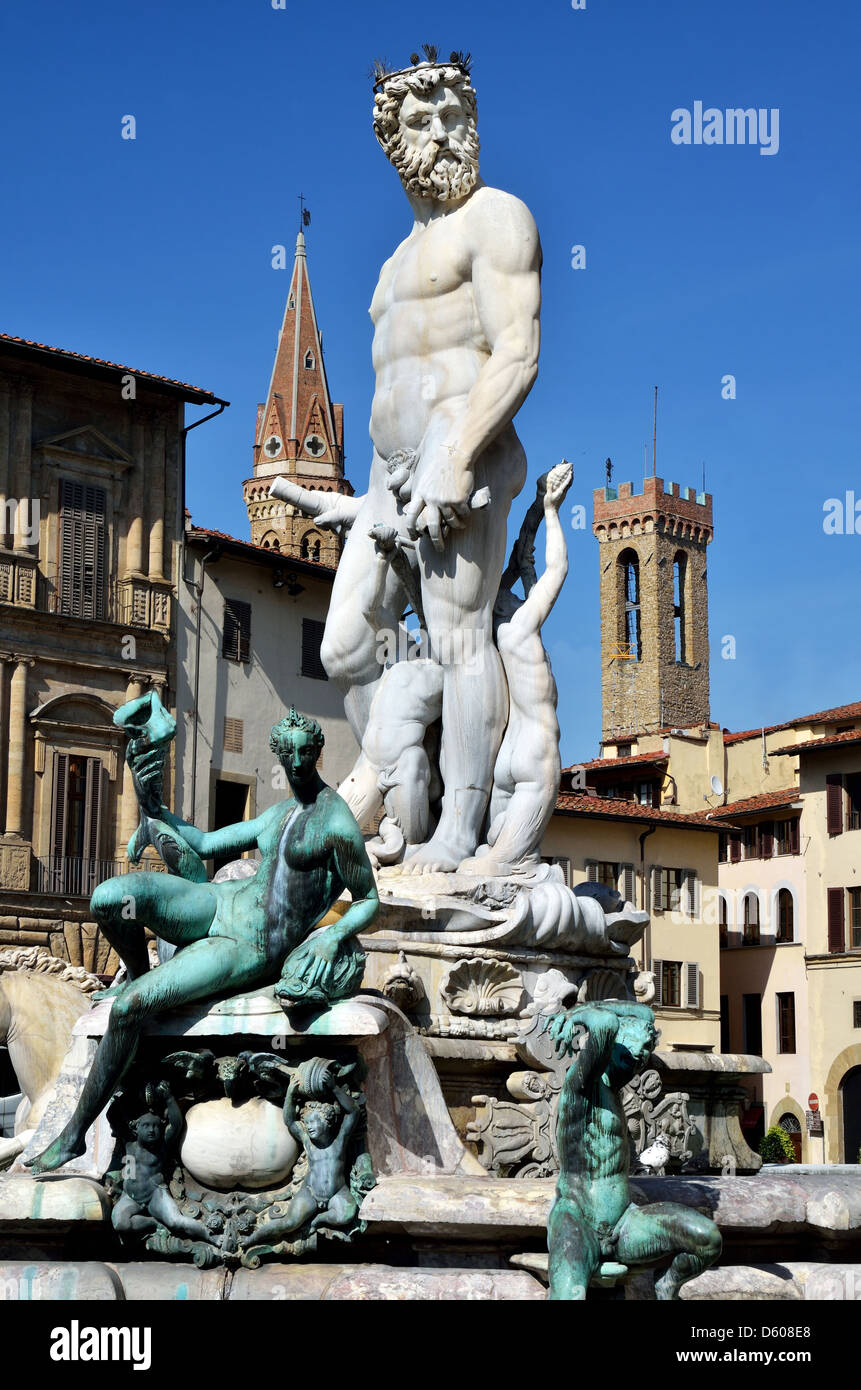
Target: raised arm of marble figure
[(545, 591), (329, 509)]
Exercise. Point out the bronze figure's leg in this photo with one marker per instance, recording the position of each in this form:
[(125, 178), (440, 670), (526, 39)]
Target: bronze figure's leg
[(174, 909), (214, 965), (647, 1234), (575, 1254)]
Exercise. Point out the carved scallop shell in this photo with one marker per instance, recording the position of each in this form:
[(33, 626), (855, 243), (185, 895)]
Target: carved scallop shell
[(483, 987)]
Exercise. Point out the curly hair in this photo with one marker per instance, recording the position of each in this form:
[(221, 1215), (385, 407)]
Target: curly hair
[(420, 81), (294, 720)]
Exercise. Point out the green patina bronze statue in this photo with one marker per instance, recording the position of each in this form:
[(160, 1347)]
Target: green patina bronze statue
[(233, 936), (596, 1232)]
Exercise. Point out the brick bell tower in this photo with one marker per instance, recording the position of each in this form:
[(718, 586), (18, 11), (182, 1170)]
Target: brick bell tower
[(300, 433), (654, 606)]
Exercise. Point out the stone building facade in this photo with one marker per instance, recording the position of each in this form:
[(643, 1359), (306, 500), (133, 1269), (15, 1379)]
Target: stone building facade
[(300, 432), (654, 605), (91, 460)]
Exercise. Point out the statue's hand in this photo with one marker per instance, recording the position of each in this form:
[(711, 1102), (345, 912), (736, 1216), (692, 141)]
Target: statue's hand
[(440, 499), (556, 485)]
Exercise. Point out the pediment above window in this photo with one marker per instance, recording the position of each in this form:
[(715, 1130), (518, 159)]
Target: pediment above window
[(90, 444)]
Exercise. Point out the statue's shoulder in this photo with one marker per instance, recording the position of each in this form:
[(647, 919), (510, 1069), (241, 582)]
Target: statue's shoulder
[(494, 205)]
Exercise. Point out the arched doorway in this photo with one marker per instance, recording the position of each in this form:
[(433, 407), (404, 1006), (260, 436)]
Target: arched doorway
[(850, 1092), (790, 1125)]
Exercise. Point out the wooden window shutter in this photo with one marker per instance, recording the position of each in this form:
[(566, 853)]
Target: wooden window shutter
[(93, 809), (692, 985), (735, 848), (766, 839), (233, 734), (59, 804), (82, 570), (628, 883), (236, 633), (834, 803), (591, 871), (657, 888), (312, 641), (795, 835), (658, 972), (836, 921)]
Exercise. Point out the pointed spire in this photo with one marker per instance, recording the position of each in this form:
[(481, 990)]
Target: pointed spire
[(298, 428)]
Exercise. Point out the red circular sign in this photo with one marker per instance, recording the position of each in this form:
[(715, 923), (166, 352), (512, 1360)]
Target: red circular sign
[(813, 1101)]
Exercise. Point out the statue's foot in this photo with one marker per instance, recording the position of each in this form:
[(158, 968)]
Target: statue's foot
[(62, 1151), (436, 857), (667, 1287)]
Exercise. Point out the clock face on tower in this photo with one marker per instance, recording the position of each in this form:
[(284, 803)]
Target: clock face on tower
[(314, 445), (273, 446)]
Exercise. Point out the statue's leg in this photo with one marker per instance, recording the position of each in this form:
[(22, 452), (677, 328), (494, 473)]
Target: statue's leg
[(166, 1210), (300, 1209), (174, 909), (129, 1215), (648, 1234), (459, 588), (340, 1213), (350, 651), (213, 966), (575, 1254)]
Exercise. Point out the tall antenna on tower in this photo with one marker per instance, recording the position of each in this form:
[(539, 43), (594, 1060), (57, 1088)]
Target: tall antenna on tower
[(655, 437)]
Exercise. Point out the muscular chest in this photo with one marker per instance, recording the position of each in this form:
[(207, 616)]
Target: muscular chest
[(430, 265)]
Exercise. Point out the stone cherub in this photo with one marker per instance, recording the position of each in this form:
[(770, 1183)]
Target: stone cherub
[(323, 1128), (145, 1201), (238, 935), (595, 1229)]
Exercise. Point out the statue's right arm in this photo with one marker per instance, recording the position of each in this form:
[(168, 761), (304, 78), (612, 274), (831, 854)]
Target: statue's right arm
[(207, 843), (594, 1055)]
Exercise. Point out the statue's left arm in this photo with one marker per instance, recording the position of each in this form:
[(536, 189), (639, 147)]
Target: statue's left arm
[(355, 872)]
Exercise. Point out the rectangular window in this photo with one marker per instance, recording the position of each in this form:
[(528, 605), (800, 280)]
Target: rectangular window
[(607, 873), (229, 808), (766, 839), (312, 641), (834, 803), (786, 1022), (671, 984), (724, 1024), (855, 919), (672, 881), (76, 813), (735, 847), (853, 797), (752, 1011), (750, 840), (856, 1013), (723, 925), (236, 632), (783, 837), (723, 847), (560, 861), (82, 572)]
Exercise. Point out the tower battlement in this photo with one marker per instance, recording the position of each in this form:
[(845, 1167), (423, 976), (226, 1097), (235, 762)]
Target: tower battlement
[(669, 508)]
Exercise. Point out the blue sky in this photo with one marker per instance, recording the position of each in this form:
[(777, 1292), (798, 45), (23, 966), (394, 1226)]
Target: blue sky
[(701, 261)]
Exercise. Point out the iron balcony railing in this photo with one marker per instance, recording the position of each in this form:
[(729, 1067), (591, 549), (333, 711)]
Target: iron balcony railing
[(75, 876)]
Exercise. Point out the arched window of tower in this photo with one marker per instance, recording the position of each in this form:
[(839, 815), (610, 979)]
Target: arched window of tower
[(631, 634), (680, 613)]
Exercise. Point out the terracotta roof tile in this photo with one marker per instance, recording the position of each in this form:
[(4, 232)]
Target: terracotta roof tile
[(198, 532), (612, 808), (601, 763), (195, 392), (814, 744), (763, 802), (825, 716)]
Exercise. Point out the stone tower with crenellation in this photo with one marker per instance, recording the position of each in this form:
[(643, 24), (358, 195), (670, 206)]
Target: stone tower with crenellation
[(300, 433), (654, 607)]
